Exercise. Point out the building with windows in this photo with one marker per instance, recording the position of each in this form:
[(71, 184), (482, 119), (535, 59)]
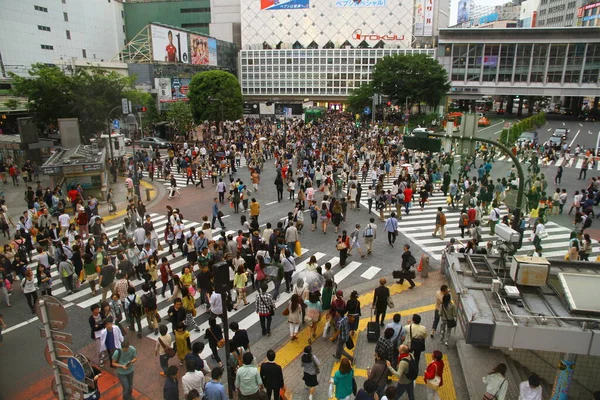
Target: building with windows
[(45, 31), (589, 14), (558, 13), (322, 50), (526, 62)]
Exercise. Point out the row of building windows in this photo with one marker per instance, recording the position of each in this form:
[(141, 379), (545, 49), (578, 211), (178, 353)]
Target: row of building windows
[(541, 63), (298, 91), (557, 8), (195, 25), (194, 10), (42, 9), (307, 53), (329, 68), (44, 28)]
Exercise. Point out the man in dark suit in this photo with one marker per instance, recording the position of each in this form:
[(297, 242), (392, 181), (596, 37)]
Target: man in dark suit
[(272, 376)]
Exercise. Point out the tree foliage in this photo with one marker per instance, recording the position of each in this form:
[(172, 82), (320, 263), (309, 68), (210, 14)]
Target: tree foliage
[(219, 85), (87, 94), (180, 116), (417, 76), (360, 98)]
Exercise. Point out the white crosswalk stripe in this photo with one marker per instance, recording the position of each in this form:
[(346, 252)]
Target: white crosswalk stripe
[(246, 316), (565, 162), (181, 177)]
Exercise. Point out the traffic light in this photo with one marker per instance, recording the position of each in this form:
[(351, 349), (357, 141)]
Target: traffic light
[(140, 109), (389, 103)]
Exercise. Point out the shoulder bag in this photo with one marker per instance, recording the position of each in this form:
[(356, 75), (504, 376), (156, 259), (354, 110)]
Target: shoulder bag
[(169, 351), (317, 369), (416, 344), (451, 323), (434, 383), (220, 343), (489, 396)]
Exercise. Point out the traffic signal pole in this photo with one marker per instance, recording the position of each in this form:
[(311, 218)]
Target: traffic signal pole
[(520, 193)]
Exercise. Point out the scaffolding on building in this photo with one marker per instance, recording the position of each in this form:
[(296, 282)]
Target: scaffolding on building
[(138, 49)]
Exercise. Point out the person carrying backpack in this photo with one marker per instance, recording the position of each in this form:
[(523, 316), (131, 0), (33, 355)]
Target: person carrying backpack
[(133, 308), (150, 307), (407, 372)]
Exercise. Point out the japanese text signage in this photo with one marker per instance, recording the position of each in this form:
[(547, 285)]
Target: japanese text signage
[(361, 3), (283, 4)]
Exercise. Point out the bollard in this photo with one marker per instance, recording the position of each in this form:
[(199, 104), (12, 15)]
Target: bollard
[(424, 266), (148, 197)]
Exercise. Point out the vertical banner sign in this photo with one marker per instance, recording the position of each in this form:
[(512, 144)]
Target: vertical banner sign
[(419, 17), (562, 381), (163, 86), (125, 106), (428, 26)]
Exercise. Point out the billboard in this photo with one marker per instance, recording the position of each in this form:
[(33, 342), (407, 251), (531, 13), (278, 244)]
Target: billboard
[(180, 88), (463, 12), (212, 51), (361, 3), (199, 49), (419, 17), (169, 45), (163, 85), (283, 4), (428, 25)]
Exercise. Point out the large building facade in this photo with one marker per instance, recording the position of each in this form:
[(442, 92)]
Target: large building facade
[(47, 31), (324, 49)]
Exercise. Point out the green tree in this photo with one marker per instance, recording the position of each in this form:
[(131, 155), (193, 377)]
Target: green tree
[(417, 76), (151, 116), (180, 116), (360, 98), (87, 94), (220, 85)]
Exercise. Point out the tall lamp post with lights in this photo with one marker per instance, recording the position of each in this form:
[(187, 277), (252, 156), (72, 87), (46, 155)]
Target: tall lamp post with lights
[(406, 114), (132, 124)]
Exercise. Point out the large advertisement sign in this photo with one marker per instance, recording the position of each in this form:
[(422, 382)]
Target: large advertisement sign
[(180, 88), (199, 47), (212, 51), (361, 3), (428, 25), (163, 85), (283, 4), (463, 12), (169, 45), (419, 17)]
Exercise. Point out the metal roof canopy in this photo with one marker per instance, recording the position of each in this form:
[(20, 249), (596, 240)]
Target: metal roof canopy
[(581, 292)]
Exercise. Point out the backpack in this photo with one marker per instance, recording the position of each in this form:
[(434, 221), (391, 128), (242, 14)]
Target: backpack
[(588, 222), (465, 221), (442, 219), (368, 231), (413, 371), (313, 212), (134, 310), (149, 302)]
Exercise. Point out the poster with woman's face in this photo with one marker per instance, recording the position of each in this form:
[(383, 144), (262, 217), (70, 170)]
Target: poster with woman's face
[(199, 47)]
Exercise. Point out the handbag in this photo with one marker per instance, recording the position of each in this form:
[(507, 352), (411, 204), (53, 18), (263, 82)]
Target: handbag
[(451, 323), (286, 312), (169, 351), (158, 317), (341, 246), (317, 369), (220, 343), (285, 394), (390, 302), (489, 396), (349, 343), (434, 383)]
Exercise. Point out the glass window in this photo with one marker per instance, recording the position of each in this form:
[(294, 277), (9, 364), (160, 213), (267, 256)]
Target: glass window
[(538, 66), (474, 62), (522, 63), (490, 62), (459, 61), (591, 69), (556, 62), (574, 62), (507, 57)]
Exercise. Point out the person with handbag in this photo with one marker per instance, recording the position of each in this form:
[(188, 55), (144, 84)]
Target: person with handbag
[(310, 366), (378, 373), (381, 298), (496, 384), (272, 376), (247, 379), (265, 308), (433, 375), (294, 314), (343, 381), (164, 349), (189, 304), (448, 318), (408, 260), (415, 338), (342, 245), (214, 335)]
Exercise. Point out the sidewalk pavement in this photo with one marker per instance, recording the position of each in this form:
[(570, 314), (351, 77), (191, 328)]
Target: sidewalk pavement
[(14, 197)]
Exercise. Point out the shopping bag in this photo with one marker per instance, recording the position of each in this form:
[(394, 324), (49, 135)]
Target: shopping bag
[(327, 330), (298, 249), (285, 394), (535, 213), (192, 291), (81, 276)]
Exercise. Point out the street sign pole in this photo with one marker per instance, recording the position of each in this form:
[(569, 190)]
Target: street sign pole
[(50, 344)]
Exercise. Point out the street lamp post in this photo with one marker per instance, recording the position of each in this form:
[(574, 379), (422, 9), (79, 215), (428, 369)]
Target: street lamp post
[(132, 122), (213, 99), (406, 114)]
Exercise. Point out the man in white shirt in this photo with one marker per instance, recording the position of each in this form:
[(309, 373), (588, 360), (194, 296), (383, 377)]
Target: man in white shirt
[(291, 237), (64, 221), (139, 235), (531, 389), (216, 304), (179, 238)]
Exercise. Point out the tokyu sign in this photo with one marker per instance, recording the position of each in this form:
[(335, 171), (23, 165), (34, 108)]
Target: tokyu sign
[(358, 35)]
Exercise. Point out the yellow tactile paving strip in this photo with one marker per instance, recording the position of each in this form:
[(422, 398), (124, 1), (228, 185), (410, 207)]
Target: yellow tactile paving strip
[(291, 350)]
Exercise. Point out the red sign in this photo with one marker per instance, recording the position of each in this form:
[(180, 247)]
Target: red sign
[(580, 12), (358, 35), (534, 19), (589, 6)]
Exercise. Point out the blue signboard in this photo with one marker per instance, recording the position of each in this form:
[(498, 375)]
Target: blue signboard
[(76, 369), (367, 110), (116, 124), (283, 4)]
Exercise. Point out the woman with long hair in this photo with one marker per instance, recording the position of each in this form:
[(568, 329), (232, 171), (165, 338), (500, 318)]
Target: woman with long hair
[(152, 272), (435, 369), (310, 365), (343, 380), (496, 384), (336, 215), (342, 245), (178, 288), (586, 247), (324, 217), (313, 313), (169, 237), (353, 309), (448, 317), (573, 251), (44, 280), (294, 309), (189, 304), (259, 271), (29, 289)]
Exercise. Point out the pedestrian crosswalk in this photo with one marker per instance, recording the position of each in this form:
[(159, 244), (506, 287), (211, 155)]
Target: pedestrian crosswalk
[(418, 226), (246, 316), (181, 177), (565, 162)]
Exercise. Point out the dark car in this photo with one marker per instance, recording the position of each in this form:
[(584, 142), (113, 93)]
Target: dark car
[(154, 142), (561, 133), (528, 137), (500, 111)]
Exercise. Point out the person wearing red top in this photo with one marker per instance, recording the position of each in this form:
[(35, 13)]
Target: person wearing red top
[(82, 221), (407, 198), (73, 195), (170, 49), (472, 213), (435, 368)]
